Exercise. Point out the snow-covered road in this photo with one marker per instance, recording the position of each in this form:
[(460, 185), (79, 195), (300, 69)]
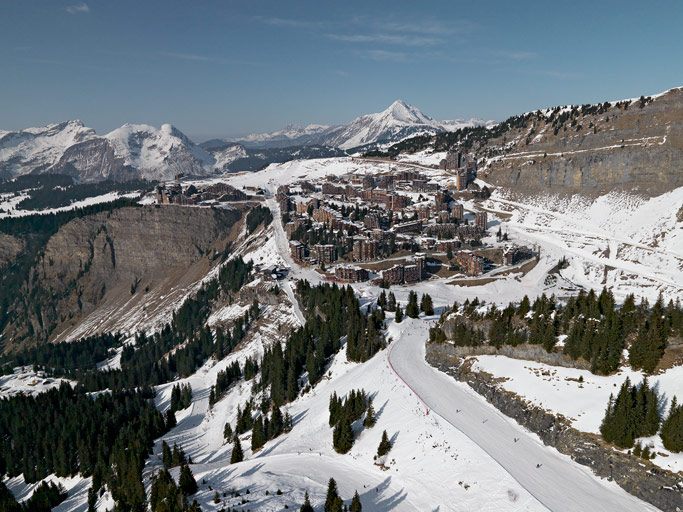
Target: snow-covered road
[(558, 483)]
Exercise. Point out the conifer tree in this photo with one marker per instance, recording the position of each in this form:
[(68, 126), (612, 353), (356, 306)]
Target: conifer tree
[(170, 419), (306, 507), (384, 445), (166, 455), (356, 505), (236, 455), (672, 428), (92, 500), (426, 305), (276, 424), (342, 436), (412, 310), (370, 417), (287, 422), (257, 435), (227, 431), (382, 300), (333, 503), (391, 302), (178, 456), (399, 314), (186, 482)]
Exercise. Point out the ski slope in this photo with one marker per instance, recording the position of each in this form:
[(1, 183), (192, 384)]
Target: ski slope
[(559, 483)]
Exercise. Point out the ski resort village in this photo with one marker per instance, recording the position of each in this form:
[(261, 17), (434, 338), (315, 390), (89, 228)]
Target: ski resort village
[(368, 312)]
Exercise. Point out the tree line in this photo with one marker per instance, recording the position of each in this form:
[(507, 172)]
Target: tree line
[(107, 436), (596, 328)]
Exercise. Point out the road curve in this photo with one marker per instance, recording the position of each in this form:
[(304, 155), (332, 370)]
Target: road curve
[(559, 484)]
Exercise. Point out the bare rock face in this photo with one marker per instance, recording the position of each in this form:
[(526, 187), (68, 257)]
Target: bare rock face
[(93, 160), (113, 258), (619, 147), (10, 247)]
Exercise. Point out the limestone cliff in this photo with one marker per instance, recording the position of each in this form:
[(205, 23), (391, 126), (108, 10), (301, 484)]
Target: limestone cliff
[(632, 145), (96, 269)]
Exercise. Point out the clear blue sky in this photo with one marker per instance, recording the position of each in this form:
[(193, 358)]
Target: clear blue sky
[(221, 68)]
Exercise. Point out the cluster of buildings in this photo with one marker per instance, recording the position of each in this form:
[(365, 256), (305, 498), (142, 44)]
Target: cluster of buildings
[(174, 193), (349, 224), (462, 166)]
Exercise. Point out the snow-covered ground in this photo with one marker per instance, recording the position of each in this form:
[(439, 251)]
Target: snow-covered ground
[(25, 381), (431, 466), (9, 208), (581, 396), (626, 242)]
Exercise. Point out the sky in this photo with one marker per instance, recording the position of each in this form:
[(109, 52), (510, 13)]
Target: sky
[(225, 68)]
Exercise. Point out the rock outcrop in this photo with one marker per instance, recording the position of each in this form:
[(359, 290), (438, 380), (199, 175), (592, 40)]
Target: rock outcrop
[(96, 268), (622, 146)]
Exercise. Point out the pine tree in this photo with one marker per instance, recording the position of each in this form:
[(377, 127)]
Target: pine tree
[(384, 445), (186, 482), (370, 417), (166, 455), (342, 436), (92, 500), (257, 435), (236, 455), (276, 424), (170, 419), (306, 507), (412, 310), (391, 302), (672, 428), (333, 503), (178, 456), (524, 307), (356, 505), (227, 431), (426, 305), (382, 300), (399, 314)]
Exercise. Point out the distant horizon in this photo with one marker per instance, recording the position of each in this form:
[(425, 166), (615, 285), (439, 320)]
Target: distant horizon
[(224, 70), (199, 138)]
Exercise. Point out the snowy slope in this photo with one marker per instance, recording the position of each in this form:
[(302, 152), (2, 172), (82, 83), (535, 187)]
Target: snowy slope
[(159, 153), (624, 241), (583, 401), (131, 151), (39, 148)]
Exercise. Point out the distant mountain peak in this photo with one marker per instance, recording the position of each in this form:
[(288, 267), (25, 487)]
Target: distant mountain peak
[(397, 121)]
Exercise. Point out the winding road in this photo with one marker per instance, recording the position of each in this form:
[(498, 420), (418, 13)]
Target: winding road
[(557, 482)]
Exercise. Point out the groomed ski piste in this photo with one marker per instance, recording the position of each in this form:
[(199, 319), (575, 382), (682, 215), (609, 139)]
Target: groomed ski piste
[(452, 450)]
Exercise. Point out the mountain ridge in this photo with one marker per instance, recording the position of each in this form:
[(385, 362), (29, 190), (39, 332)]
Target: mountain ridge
[(397, 121)]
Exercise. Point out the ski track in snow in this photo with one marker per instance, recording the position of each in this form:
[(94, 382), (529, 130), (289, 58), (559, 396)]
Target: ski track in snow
[(559, 483)]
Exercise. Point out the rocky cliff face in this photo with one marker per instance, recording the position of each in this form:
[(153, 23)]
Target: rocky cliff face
[(93, 160), (95, 269), (632, 145), (10, 247)]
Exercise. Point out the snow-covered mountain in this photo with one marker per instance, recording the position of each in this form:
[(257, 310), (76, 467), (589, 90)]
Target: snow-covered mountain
[(143, 151), (398, 121), (131, 151), (291, 135), (36, 149), (159, 153)]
